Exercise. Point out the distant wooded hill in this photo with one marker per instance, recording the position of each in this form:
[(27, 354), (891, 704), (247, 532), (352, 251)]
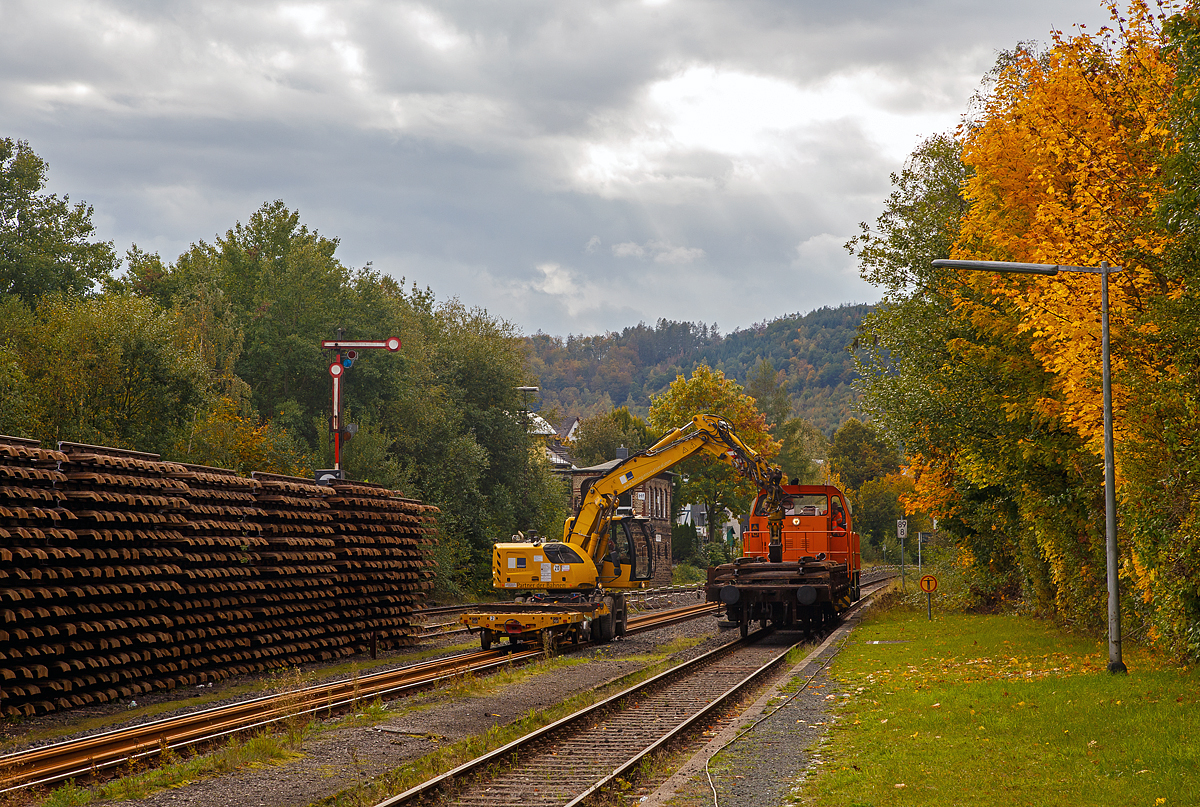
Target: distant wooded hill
[(586, 375)]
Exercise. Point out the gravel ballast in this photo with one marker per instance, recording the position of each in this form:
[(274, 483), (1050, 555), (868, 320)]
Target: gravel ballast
[(756, 770), (338, 760)]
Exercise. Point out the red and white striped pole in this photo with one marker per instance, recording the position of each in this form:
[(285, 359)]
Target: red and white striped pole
[(337, 369)]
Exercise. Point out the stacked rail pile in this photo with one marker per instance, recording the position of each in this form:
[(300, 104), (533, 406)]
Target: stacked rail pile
[(382, 570), (34, 583), (216, 615), (121, 573), (128, 512), (88, 608), (299, 608)]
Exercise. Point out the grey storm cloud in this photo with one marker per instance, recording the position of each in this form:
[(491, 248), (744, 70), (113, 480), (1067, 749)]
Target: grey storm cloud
[(571, 167)]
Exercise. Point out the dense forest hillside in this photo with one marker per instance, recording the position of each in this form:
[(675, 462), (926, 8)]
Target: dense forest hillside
[(586, 375)]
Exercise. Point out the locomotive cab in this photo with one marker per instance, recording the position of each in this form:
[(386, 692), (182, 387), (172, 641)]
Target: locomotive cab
[(816, 520)]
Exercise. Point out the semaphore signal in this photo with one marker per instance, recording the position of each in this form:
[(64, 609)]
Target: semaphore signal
[(337, 370)]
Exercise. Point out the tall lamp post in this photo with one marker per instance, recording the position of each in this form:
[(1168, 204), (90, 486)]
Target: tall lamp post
[(1115, 664), (525, 393)]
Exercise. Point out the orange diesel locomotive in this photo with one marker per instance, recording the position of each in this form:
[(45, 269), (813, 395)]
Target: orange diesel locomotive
[(816, 573)]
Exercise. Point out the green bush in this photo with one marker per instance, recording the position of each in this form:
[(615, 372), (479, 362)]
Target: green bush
[(684, 540), (685, 574)]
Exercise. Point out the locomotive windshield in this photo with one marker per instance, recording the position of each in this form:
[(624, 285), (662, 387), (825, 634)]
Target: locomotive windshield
[(807, 504)]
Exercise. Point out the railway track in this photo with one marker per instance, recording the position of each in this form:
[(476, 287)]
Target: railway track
[(53, 763), (568, 761)]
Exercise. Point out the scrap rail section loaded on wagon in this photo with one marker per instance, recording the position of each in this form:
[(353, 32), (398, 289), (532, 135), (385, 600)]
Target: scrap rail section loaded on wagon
[(573, 588), (800, 563)]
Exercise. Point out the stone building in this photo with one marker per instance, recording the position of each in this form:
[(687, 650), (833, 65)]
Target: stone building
[(651, 499)]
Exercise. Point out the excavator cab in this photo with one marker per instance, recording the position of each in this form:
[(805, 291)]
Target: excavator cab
[(630, 557)]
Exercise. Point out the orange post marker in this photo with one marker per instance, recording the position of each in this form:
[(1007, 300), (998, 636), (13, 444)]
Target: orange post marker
[(929, 585)]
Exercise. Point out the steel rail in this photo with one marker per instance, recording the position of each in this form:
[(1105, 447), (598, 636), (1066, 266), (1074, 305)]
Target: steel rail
[(500, 756), (56, 762), (662, 619), (585, 716), (59, 761)]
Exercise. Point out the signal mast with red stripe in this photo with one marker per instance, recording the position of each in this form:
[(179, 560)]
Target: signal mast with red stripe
[(336, 371)]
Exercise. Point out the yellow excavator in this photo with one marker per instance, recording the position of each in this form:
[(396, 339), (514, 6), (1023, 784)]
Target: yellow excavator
[(573, 588)]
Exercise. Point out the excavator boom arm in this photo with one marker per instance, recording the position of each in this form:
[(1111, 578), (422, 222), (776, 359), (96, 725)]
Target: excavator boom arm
[(706, 433)]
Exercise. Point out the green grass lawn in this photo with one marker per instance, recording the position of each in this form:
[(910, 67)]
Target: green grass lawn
[(1003, 710)]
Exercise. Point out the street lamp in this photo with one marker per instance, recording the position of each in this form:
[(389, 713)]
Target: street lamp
[(1115, 665), (525, 391)]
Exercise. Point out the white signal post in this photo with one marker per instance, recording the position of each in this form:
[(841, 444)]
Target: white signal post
[(337, 369)]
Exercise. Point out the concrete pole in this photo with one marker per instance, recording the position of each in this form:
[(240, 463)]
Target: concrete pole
[(1115, 664)]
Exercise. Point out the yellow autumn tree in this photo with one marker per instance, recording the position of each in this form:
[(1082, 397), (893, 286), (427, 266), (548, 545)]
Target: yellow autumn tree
[(706, 479), (1065, 164), (1003, 418), (227, 438), (1066, 160)]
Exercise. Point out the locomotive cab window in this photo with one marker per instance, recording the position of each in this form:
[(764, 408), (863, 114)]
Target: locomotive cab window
[(808, 504)]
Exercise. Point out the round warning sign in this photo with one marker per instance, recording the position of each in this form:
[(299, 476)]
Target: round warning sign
[(928, 584)]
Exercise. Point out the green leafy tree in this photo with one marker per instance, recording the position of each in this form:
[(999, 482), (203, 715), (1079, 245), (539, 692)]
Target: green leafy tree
[(18, 413), (858, 454), (768, 388), (801, 446), (147, 276), (46, 243), (600, 436), (706, 479), (110, 370)]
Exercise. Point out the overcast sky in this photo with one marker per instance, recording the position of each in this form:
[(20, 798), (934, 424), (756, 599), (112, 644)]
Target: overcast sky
[(573, 167)]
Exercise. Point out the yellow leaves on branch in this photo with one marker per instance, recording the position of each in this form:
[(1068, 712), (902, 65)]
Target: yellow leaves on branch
[(933, 489), (708, 391), (1066, 157), (225, 438)]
